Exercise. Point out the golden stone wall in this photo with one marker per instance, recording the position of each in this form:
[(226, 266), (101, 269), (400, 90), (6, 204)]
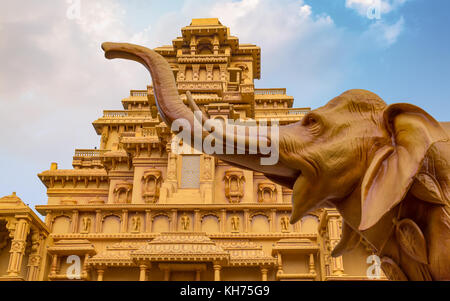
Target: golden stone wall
[(134, 210)]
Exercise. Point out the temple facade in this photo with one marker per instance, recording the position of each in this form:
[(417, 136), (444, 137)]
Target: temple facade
[(135, 210)]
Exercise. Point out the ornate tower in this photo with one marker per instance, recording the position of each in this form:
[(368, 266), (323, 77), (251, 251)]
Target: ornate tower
[(135, 210)]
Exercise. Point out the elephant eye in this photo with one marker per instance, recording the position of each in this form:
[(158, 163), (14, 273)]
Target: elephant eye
[(312, 122), (309, 120)]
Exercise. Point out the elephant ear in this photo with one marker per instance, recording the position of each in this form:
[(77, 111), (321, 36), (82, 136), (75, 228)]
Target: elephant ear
[(392, 171)]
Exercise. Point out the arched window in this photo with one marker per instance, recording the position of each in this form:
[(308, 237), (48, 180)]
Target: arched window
[(111, 224), (161, 223), (61, 224), (309, 224), (260, 224), (210, 224)]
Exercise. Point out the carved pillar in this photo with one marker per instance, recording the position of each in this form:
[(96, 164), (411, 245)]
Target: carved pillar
[(209, 71), (172, 166), (166, 274), (273, 214), (264, 272), (48, 219), (104, 139), (124, 225), (217, 269), (174, 221), (279, 264), (223, 72), (143, 272), (193, 45), (334, 234), (198, 275), (216, 45), (181, 72), (148, 221), (246, 217), (197, 225), (74, 225), (98, 221), (34, 259), (223, 220), (18, 245), (54, 267), (100, 273), (312, 268), (170, 184), (195, 72)]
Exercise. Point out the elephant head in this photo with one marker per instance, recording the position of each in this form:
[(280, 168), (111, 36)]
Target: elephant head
[(355, 153)]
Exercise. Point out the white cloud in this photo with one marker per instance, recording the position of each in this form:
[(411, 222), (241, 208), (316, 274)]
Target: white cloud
[(299, 48), (381, 32), (386, 34), (54, 82), (54, 65), (382, 35), (272, 24), (384, 6)]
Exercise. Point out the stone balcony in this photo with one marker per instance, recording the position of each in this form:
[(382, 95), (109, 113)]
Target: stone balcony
[(272, 91), (87, 158)]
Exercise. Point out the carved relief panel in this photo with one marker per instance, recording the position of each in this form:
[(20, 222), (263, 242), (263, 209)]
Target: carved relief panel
[(234, 185), (284, 223), (86, 224), (151, 183), (267, 192), (136, 222), (123, 192), (235, 223)]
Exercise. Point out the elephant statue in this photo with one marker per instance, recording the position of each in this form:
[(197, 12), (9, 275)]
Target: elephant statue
[(386, 168)]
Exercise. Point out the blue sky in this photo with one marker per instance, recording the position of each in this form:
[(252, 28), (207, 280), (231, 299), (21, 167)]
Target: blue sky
[(55, 80)]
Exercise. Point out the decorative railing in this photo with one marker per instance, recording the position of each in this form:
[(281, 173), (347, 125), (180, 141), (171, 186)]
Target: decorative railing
[(122, 113), (247, 88), (89, 152), (114, 113), (298, 111), (128, 134), (147, 132), (138, 93), (274, 91), (200, 85)]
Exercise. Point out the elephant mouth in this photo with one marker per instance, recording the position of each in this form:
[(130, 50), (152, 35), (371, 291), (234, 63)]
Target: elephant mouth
[(303, 190)]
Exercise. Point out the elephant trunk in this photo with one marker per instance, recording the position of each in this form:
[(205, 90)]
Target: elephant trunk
[(172, 108), (169, 105)]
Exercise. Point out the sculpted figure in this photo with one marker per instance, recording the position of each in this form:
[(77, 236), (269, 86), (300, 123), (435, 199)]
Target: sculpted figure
[(185, 221), (235, 223), (386, 168), (136, 223), (86, 224), (284, 223)]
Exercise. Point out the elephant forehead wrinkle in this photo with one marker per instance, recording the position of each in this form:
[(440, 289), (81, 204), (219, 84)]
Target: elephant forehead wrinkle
[(289, 145)]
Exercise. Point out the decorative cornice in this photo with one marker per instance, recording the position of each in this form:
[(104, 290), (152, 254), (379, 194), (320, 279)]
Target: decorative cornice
[(285, 207)]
